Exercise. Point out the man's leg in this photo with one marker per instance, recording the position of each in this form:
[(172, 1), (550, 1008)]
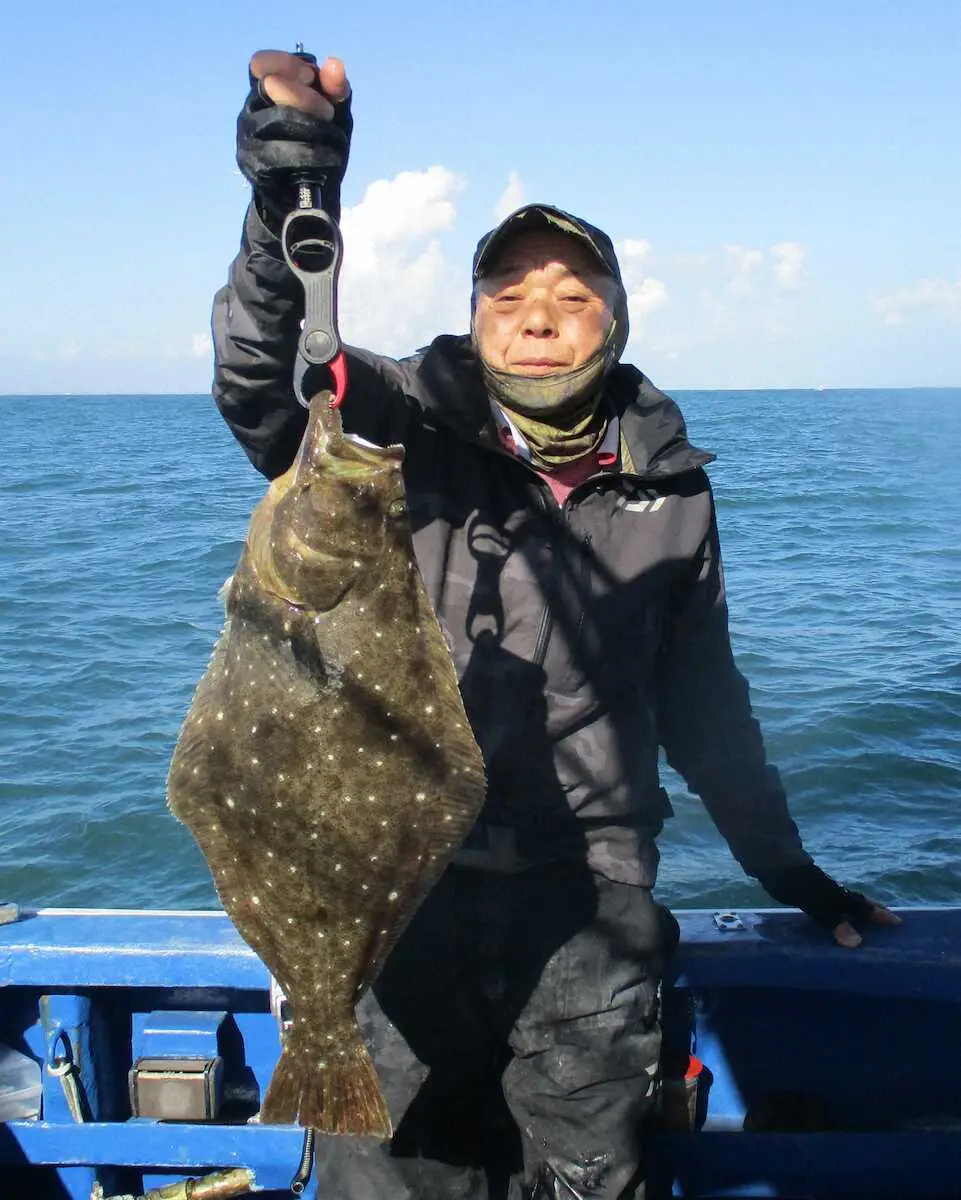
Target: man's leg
[(587, 1043)]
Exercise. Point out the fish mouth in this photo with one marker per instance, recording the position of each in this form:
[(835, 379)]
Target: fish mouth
[(351, 454)]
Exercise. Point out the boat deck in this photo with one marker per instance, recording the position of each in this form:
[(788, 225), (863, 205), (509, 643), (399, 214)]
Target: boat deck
[(829, 1072)]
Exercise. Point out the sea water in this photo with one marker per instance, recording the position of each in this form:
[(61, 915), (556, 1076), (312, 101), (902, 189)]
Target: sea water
[(840, 519)]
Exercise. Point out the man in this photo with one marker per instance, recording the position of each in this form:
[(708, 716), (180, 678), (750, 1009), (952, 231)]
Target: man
[(565, 530)]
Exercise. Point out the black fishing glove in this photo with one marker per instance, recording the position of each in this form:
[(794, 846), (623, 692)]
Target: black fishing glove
[(278, 147), (822, 898)]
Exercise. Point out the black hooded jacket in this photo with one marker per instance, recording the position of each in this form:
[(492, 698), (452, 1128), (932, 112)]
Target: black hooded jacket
[(585, 635)]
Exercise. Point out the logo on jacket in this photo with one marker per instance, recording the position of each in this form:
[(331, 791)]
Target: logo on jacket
[(644, 505)]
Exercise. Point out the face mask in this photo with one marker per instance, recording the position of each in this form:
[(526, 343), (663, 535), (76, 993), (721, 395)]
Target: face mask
[(561, 417)]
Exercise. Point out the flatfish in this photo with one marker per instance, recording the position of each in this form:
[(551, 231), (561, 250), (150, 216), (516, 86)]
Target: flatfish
[(326, 766)]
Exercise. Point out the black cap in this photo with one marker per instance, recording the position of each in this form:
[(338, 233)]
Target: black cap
[(544, 216)]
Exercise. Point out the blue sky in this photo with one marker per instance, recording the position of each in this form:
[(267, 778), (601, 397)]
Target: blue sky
[(783, 179)]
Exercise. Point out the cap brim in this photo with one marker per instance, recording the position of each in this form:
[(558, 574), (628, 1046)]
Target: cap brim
[(531, 218)]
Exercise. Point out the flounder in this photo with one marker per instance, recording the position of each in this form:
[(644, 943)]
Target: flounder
[(326, 766)]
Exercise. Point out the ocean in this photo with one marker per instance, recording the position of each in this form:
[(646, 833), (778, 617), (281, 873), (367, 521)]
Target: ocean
[(840, 518)]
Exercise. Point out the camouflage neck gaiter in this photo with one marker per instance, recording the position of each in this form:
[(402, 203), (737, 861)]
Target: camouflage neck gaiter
[(561, 417)]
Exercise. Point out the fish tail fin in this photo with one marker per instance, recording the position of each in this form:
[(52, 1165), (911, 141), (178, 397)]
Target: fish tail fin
[(336, 1092)]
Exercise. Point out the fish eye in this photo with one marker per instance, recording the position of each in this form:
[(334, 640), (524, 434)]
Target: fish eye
[(397, 508)]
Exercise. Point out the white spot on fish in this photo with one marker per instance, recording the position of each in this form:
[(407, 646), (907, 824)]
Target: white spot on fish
[(255, 900), (338, 866), (231, 803), (421, 797), (281, 777), (392, 896), (220, 716)]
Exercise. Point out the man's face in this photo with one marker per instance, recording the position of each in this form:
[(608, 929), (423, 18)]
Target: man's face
[(544, 307)]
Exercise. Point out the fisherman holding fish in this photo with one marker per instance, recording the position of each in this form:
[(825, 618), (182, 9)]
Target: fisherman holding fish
[(565, 531)]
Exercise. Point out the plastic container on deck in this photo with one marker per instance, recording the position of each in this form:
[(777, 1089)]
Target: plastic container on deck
[(19, 1085)]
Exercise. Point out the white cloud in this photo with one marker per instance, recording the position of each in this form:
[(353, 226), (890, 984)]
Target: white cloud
[(397, 289), (633, 249), (511, 198), (645, 299), (788, 265), (743, 265), (201, 345), (940, 295)]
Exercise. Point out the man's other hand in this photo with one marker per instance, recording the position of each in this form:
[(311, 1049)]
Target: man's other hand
[(835, 908)]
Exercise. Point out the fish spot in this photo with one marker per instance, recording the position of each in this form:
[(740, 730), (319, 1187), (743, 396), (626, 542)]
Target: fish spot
[(392, 896), (255, 900), (373, 858), (421, 797), (429, 709), (378, 634), (330, 758), (338, 866), (196, 771), (278, 804), (448, 817), (290, 920), (364, 887), (281, 777), (379, 762), (292, 869), (270, 854), (273, 712), (231, 802), (383, 824), (220, 716), (321, 934), (313, 836), (346, 943)]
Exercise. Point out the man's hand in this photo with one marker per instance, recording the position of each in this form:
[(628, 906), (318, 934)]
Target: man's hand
[(289, 80), (834, 907), (295, 126)]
